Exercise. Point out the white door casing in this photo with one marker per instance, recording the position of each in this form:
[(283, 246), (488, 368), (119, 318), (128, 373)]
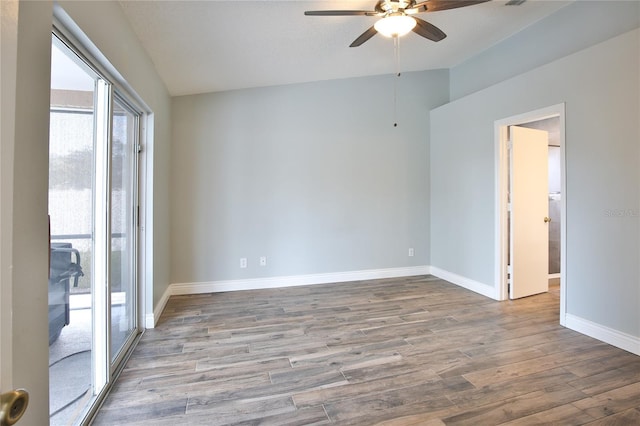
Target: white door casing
[(529, 231)]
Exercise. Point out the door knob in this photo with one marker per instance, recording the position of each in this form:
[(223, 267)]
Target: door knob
[(547, 219), (13, 404)]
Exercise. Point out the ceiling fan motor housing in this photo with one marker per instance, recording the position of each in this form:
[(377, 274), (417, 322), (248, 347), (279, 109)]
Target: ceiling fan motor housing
[(388, 7)]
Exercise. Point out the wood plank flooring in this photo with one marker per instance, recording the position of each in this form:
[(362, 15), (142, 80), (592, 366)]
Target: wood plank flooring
[(410, 351)]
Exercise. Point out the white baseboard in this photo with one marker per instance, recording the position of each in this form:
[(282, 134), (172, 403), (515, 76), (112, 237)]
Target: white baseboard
[(605, 334), (295, 280), (468, 283), (151, 320)]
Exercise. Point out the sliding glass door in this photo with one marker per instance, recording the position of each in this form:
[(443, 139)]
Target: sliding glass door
[(93, 204)]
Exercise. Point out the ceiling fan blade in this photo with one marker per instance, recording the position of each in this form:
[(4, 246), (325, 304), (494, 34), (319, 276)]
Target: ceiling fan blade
[(428, 30), (364, 37), (416, 9), (436, 5), (340, 13)]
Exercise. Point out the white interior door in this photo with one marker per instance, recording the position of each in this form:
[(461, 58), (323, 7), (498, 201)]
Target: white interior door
[(529, 196)]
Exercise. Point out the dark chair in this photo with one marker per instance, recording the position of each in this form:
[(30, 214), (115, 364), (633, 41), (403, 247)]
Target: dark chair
[(61, 270)]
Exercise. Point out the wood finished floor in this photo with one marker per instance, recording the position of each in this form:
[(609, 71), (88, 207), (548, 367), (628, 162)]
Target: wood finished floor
[(411, 351)]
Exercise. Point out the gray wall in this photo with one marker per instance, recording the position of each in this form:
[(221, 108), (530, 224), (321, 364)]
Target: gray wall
[(313, 176), (573, 28), (601, 88)]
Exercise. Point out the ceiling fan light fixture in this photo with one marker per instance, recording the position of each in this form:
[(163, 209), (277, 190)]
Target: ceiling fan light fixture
[(395, 25)]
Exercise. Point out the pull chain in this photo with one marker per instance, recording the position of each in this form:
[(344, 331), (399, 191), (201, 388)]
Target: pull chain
[(396, 54)]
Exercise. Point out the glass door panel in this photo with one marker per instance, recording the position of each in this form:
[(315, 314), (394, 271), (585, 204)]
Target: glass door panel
[(71, 211), (123, 225)]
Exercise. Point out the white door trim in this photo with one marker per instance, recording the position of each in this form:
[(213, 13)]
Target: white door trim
[(501, 181)]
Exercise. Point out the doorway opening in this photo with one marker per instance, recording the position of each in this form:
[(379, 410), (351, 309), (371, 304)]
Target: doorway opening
[(552, 120)]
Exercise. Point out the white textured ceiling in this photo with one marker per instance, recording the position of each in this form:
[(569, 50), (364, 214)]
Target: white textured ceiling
[(208, 46)]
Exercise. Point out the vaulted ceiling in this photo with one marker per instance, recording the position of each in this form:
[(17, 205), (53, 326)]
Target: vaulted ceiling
[(208, 46)]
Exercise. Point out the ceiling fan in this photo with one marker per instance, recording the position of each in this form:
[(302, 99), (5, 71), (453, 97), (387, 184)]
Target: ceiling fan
[(397, 17)]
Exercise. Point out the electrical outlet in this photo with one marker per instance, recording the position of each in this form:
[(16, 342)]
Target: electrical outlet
[(263, 261), (410, 252), (243, 262)]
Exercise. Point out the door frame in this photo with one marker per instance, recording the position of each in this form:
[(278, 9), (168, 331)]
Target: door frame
[(502, 179)]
